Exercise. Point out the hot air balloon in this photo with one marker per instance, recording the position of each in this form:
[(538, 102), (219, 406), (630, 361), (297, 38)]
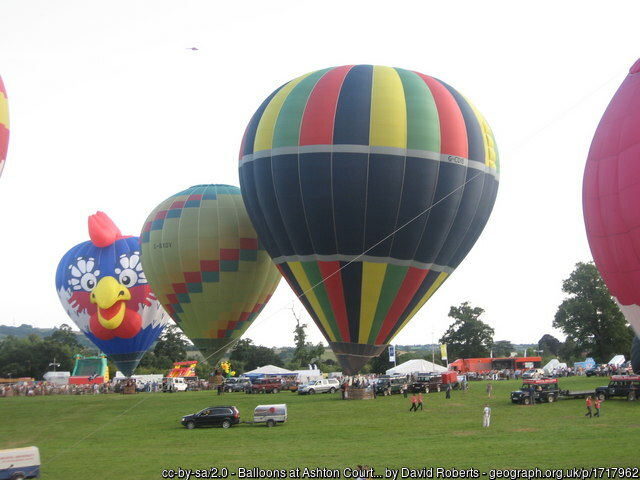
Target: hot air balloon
[(204, 261), (368, 186), (611, 195), (4, 125), (104, 290)]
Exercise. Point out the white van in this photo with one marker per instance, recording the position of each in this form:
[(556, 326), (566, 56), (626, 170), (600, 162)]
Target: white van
[(174, 384), (20, 463), (57, 378)]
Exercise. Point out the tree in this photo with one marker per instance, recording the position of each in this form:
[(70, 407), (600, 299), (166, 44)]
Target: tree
[(468, 336), (172, 344), (381, 363), (590, 318), (305, 352), (31, 356), (502, 348), (66, 336), (246, 356), (550, 345)]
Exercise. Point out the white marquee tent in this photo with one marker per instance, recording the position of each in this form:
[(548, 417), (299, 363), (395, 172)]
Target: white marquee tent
[(269, 370), (415, 366)]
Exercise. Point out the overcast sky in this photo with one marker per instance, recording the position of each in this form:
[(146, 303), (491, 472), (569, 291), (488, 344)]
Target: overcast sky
[(111, 110)]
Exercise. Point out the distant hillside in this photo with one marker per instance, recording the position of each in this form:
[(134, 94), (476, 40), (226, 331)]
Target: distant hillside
[(24, 330)]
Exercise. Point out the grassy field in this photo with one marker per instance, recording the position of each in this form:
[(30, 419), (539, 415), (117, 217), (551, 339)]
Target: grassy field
[(137, 436)]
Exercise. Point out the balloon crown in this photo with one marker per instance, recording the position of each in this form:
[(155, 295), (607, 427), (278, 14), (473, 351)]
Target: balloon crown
[(102, 231)]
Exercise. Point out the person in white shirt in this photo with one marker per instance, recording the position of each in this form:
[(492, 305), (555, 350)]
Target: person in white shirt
[(486, 415)]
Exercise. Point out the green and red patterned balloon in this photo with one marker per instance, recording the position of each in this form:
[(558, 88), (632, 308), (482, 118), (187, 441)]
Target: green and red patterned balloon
[(206, 265)]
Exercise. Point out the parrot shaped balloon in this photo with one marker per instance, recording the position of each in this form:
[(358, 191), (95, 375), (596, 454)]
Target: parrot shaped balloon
[(104, 290), (204, 262), (611, 199), (368, 186), (4, 125)]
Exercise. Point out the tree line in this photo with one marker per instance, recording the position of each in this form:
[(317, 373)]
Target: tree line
[(590, 319)]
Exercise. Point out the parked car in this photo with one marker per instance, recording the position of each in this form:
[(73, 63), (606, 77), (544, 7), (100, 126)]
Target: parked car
[(212, 416), (235, 384), (324, 385), (388, 384), (533, 373), (545, 390), (427, 382), (266, 385), (620, 386), (174, 384)]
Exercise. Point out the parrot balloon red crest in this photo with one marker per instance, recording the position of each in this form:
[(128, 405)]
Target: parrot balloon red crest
[(102, 231)]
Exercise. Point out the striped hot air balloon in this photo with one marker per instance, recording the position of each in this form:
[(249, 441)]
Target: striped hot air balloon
[(4, 125), (368, 185), (204, 262)]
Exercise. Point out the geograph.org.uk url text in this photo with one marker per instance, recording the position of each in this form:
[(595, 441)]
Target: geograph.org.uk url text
[(513, 473), (406, 473)]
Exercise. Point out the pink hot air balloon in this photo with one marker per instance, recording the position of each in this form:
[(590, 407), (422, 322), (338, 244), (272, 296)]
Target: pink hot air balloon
[(4, 125), (611, 197)]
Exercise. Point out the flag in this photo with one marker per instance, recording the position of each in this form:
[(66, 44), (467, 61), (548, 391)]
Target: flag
[(392, 353), (443, 351)]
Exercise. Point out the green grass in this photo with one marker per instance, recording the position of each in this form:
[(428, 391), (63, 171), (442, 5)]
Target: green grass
[(137, 436)]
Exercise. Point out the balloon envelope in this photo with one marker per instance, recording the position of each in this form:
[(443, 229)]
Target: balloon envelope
[(205, 263), (611, 197), (4, 125), (104, 290), (368, 186)]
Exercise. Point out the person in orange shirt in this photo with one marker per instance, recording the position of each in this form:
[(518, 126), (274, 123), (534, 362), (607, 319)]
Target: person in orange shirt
[(596, 404), (588, 404), (419, 402), (413, 403)]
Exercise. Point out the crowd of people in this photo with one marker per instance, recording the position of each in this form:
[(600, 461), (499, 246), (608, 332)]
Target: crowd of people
[(35, 388)]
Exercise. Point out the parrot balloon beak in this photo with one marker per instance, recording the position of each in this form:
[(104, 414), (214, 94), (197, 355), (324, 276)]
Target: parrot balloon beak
[(110, 296)]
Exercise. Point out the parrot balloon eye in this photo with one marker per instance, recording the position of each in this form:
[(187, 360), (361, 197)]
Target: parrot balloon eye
[(128, 277), (82, 274), (102, 287), (88, 281), (131, 271)]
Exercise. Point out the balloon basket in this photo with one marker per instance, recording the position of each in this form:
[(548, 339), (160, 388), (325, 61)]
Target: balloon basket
[(360, 394)]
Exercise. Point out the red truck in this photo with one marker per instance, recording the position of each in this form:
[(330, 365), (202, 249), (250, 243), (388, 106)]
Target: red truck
[(466, 365)]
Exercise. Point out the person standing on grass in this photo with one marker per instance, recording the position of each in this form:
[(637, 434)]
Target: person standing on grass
[(486, 415), (413, 403), (419, 401), (596, 404), (588, 405), (489, 390)]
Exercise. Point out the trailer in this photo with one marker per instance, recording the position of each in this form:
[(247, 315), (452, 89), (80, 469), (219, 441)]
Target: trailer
[(20, 463), (270, 415), (577, 393)]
